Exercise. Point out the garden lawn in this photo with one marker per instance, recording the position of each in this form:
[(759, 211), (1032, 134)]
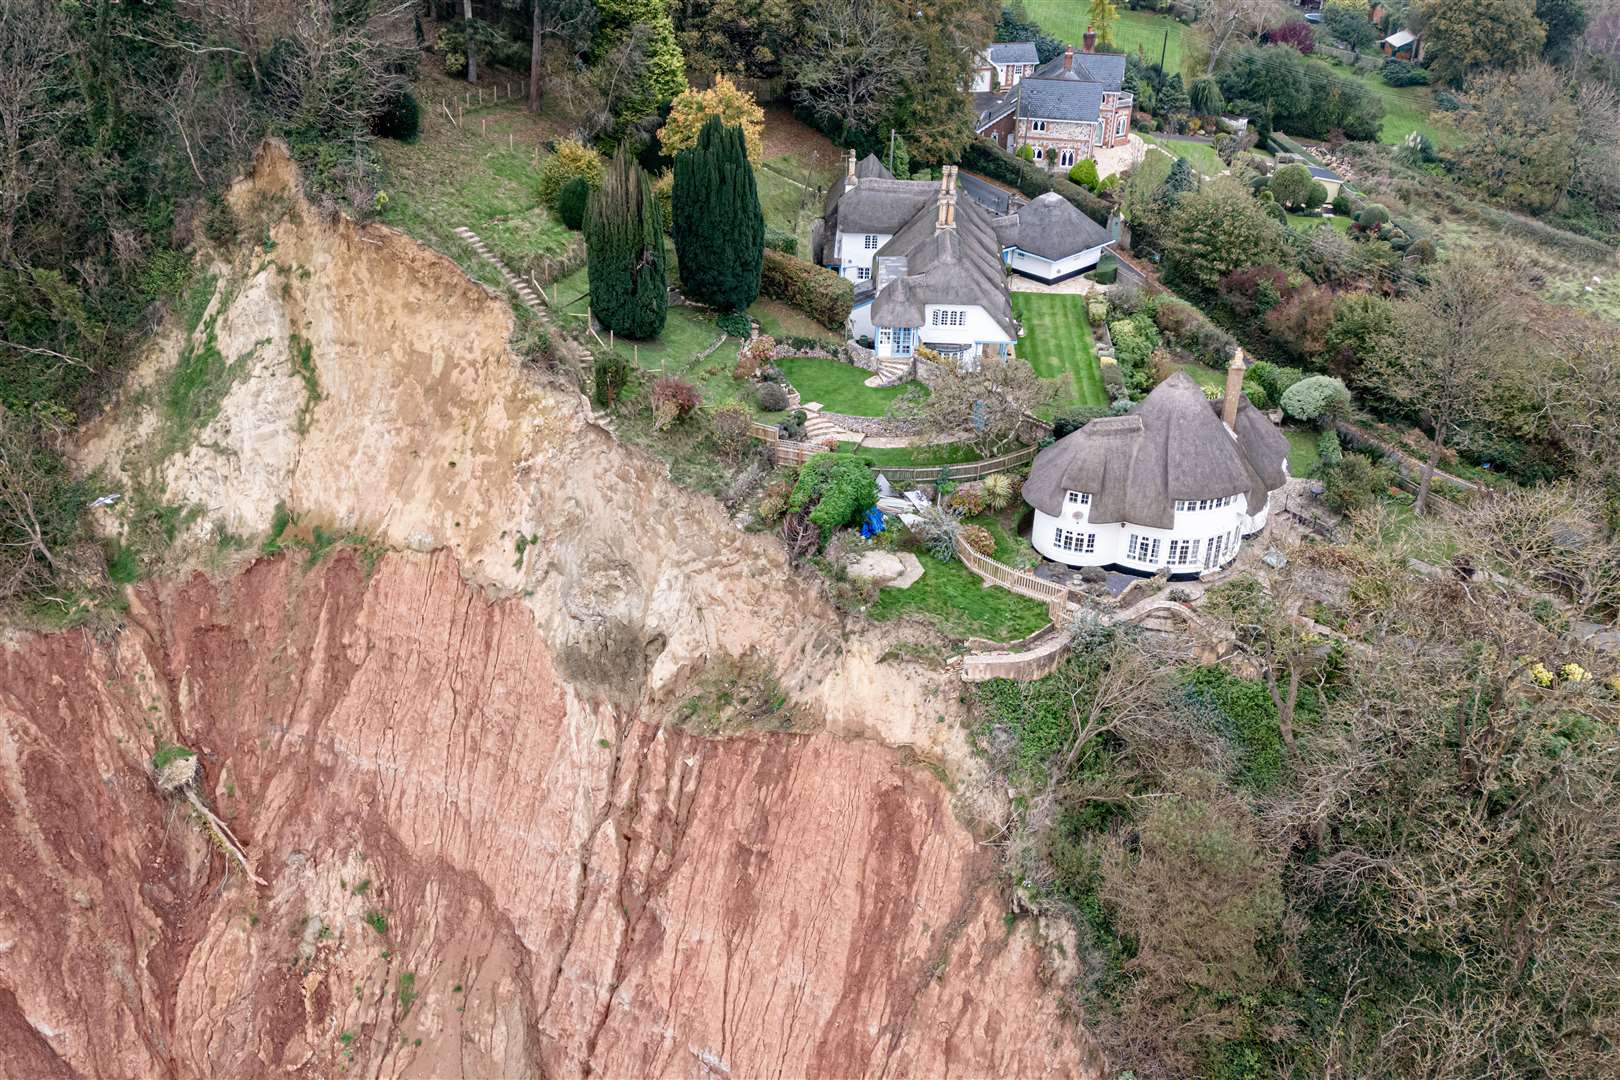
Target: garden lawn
[(953, 598), (1057, 342), (470, 176), (679, 350), (1201, 156), (840, 387), (1302, 222), (897, 456), (1303, 457), (1067, 19)]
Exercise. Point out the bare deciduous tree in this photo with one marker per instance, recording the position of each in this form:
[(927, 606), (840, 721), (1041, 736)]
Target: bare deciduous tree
[(1455, 347), (853, 60), (33, 69), (567, 21)]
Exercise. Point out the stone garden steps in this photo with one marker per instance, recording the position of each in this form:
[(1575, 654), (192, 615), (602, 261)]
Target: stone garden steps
[(891, 371)]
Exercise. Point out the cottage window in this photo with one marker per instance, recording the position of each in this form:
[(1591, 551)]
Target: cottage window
[(947, 317), (871, 242), (1143, 549), (1083, 543), (1184, 552), (902, 341), (1037, 125), (1078, 498), (863, 273)]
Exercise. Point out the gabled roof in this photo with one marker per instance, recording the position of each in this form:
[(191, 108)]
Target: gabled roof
[(1059, 99), (1108, 69), (1052, 227), (1399, 38), (1171, 446), (1012, 52), (869, 167), (958, 266)]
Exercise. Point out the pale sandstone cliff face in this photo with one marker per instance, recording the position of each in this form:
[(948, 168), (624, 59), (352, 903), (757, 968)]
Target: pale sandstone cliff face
[(483, 738)]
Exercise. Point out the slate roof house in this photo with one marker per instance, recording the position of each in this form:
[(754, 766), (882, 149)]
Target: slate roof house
[(1065, 110), (1001, 64), (1176, 484)]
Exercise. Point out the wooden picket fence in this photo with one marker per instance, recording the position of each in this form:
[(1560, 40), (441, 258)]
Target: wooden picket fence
[(1018, 581)]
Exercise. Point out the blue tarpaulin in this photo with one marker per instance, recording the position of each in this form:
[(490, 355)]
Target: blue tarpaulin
[(872, 523)]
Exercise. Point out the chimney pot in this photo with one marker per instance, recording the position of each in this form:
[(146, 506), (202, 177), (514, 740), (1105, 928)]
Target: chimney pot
[(1089, 41), (1068, 58), (849, 167)]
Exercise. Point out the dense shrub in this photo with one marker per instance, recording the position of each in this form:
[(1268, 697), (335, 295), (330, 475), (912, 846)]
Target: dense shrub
[(719, 229), (1304, 96), (753, 356), (400, 119), (1329, 450), (979, 539), (1084, 173), (1400, 73), (570, 159), (1372, 217), (966, 500), (1274, 379), (612, 372), (1069, 422), (571, 202), (730, 426), (1000, 489), (937, 530), (771, 396), (777, 240), (1317, 398), (678, 392), (836, 488), (1341, 204), (814, 290), (735, 323), (1242, 711), (1357, 481), (1097, 311)]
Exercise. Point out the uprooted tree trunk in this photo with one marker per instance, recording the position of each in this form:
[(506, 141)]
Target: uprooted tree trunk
[(174, 772)]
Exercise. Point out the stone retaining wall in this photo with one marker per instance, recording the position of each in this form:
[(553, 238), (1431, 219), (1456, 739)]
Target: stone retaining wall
[(888, 426)]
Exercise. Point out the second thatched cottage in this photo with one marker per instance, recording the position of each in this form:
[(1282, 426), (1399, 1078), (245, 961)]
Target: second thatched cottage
[(1175, 484)]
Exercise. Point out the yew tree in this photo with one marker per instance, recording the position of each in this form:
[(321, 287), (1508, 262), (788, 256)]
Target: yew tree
[(719, 229), (624, 233)]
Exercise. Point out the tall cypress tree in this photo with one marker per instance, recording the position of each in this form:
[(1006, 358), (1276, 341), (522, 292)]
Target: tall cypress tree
[(719, 230), (624, 234)]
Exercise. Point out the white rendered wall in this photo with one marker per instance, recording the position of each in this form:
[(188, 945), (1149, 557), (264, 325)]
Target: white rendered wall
[(1113, 540), (976, 326), (1049, 270), (859, 322), (852, 252)]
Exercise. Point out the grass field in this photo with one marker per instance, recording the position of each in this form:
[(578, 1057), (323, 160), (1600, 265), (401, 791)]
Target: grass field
[(1201, 156), (1057, 342), (481, 175), (790, 196), (1067, 19), (779, 320), (1303, 457), (954, 599), (1406, 108), (839, 386)]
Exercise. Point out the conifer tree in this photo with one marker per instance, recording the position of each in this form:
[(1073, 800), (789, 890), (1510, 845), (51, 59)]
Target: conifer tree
[(719, 230), (624, 233)]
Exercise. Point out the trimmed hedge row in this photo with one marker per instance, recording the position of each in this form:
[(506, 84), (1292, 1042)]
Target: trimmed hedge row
[(814, 290), (997, 164)]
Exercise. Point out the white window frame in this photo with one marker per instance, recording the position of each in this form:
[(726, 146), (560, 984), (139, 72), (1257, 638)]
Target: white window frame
[(1077, 543), (1065, 158), (1144, 549), (903, 341), (1040, 153), (1037, 125), (870, 242), (1119, 125), (863, 273), (947, 317)]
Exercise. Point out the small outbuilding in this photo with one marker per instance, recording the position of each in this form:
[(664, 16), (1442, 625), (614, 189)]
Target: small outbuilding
[(1403, 45), (1050, 240), (1330, 180), (1175, 484)]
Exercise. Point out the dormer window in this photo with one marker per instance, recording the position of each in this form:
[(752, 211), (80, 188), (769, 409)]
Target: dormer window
[(1077, 499)]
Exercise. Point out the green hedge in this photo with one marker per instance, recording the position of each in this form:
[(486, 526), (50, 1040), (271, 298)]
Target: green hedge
[(1032, 180), (785, 242), (814, 290)]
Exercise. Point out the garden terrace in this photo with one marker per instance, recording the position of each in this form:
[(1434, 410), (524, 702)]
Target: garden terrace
[(840, 387)]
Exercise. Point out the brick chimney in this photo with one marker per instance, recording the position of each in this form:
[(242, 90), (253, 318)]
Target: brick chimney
[(1089, 41), (849, 168), (947, 198), (1234, 390), (1068, 58)]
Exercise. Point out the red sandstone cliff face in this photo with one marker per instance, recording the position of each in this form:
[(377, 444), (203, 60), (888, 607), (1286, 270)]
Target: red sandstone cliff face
[(570, 888)]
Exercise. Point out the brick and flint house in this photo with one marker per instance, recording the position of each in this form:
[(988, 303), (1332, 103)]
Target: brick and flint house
[(1064, 111), (1001, 64)]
